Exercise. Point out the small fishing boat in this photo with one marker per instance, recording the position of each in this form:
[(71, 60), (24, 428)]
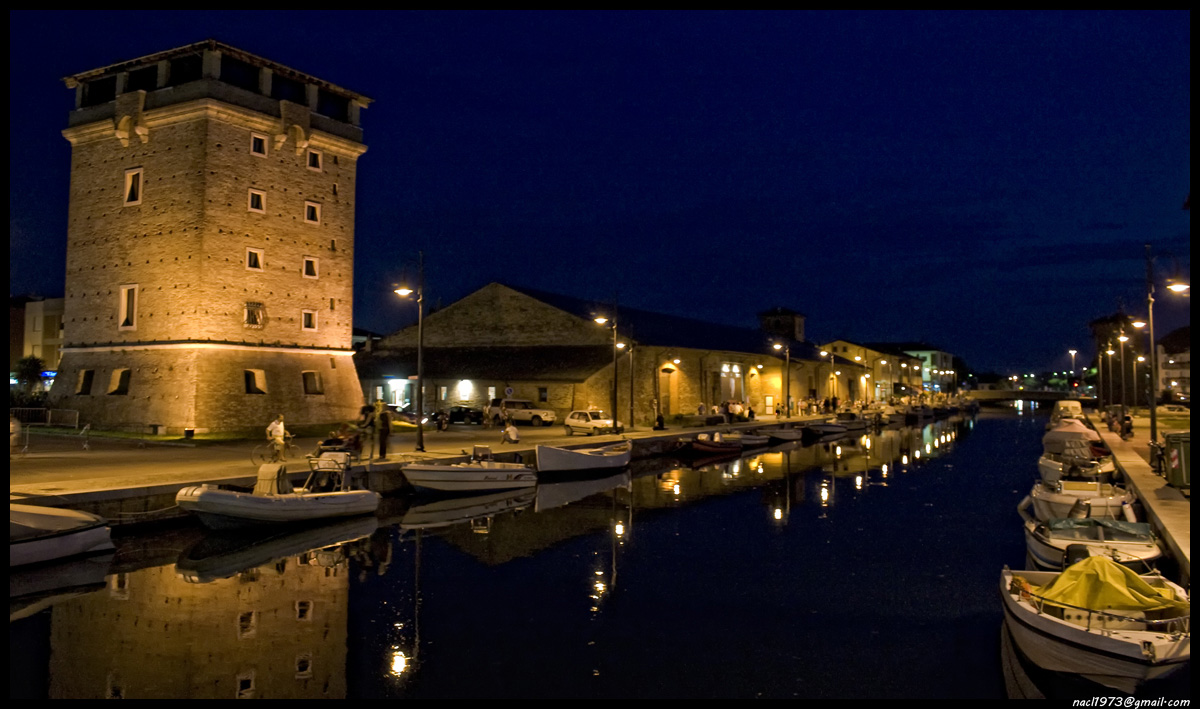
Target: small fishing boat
[(275, 501), (38, 534), (715, 443), (1100, 620), (555, 459), (483, 473), (1055, 543), (1081, 498)]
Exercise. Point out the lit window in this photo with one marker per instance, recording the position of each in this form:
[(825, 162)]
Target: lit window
[(312, 212), (308, 320), (312, 383), (254, 259), (314, 160), (310, 267), (255, 315), (133, 186), (127, 308), (258, 145), (258, 201)]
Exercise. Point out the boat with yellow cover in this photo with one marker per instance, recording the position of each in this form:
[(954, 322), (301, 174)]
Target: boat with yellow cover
[(1100, 620)]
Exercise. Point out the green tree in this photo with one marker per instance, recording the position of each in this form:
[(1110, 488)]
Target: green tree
[(29, 373)]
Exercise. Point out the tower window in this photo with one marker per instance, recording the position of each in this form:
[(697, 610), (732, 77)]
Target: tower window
[(312, 383), (312, 212), (254, 259), (127, 308), (314, 160), (258, 145), (133, 186), (258, 201), (83, 386), (308, 320), (255, 315), (310, 267), (255, 380), (118, 383)]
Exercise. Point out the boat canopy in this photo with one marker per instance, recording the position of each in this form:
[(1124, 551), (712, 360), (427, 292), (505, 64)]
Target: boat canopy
[(1099, 583), (1094, 527), (1068, 430)]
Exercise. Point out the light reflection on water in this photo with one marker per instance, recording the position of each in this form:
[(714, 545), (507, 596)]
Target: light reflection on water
[(857, 567)]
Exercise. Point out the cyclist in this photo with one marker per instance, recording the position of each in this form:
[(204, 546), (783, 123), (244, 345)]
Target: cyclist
[(276, 433)]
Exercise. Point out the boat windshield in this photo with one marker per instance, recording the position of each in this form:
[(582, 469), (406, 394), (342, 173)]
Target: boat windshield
[(1097, 528)]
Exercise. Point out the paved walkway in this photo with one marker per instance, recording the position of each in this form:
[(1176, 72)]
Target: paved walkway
[(1168, 509)]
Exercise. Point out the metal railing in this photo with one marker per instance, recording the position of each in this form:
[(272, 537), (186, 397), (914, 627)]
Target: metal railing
[(67, 418)]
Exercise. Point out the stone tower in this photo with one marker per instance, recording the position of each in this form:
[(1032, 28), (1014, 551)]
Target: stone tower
[(210, 244)]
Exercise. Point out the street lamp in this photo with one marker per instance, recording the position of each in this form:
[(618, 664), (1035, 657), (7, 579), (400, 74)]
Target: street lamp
[(1175, 288), (404, 291), (612, 323), (1072, 363), (1123, 338), (787, 377), (1110, 352)]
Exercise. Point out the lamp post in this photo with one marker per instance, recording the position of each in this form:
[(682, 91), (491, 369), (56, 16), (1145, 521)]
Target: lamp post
[(612, 323), (787, 377), (405, 291), (1154, 383), (1108, 350), (1072, 365), (1123, 338)]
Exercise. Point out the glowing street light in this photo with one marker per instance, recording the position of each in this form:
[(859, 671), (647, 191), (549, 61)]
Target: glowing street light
[(602, 320), (787, 376), (404, 291), (1175, 287)]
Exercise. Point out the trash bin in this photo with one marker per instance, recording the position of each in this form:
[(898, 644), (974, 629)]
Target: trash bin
[(1179, 460)]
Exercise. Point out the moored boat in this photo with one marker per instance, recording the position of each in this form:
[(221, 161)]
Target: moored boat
[(714, 443), (481, 474), (1053, 543), (275, 501), (1081, 498), (38, 534), (1100, 620), (555, 459)]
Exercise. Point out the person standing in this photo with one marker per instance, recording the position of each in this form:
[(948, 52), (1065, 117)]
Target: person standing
[(276, 433), (383, 423)]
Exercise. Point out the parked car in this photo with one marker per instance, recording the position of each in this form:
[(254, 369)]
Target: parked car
[(589, 422), (465, 414), (521, 411)]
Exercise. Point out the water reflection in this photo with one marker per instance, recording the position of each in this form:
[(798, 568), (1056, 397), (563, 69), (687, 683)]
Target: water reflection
[(293, 615)]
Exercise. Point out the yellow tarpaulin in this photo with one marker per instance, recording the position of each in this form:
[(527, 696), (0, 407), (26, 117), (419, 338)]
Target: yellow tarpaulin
[(1099, 583)]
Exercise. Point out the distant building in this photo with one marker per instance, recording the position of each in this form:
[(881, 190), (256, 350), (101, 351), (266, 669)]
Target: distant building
[(888, 372), (1175, 365), (210, 244)]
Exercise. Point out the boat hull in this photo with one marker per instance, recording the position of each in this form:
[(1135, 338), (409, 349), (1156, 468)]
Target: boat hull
[(40, 534), (469, 477), (1113, 657), (229, 509), (554, 459), (1101, 500), (1048, 553)]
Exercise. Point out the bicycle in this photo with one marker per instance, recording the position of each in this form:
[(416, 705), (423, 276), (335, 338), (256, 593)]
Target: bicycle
[(272, 452)]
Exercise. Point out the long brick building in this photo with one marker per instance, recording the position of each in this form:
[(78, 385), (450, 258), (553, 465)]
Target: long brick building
[(210, 244)]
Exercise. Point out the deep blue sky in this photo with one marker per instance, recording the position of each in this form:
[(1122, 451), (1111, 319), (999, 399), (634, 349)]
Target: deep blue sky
[(982, 181)]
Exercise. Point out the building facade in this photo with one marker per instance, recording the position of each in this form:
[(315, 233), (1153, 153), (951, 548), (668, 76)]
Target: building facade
[(210, 244), (886, 372)]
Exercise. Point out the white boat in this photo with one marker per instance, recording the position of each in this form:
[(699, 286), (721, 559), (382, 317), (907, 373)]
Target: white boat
[(716, 443), (555, 459), (275, 501), (37, 534), (1065, 409), (481, 474), (1081, 498), (1100, 620), (1072, 450), (1054, 543)]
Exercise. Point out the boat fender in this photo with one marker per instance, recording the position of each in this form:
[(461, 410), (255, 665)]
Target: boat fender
[(1127, 511), (1074, 553)]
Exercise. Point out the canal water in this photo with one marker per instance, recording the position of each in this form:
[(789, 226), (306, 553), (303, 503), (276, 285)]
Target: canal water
[(866, 567)]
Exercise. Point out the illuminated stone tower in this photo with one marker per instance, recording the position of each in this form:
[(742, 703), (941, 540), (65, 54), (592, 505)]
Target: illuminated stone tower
[(210, 244)]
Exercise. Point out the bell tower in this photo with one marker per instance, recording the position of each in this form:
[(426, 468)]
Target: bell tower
[(210, 244)]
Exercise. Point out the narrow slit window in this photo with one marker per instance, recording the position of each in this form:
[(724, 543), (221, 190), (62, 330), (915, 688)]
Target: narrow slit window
[(258, 201), (127, 308), (133, 186)]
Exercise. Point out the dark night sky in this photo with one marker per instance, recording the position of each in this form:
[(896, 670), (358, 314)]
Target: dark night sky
[(982, 181)]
